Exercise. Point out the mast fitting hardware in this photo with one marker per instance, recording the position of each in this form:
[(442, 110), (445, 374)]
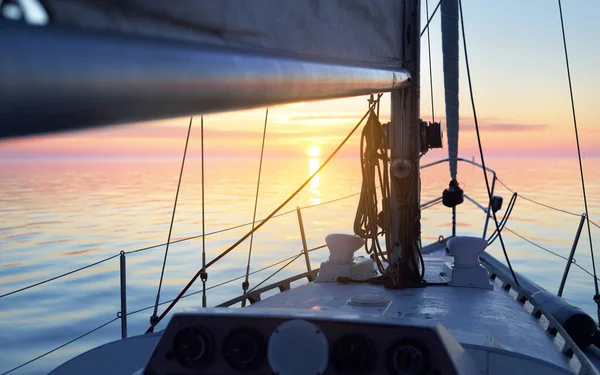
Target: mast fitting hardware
[(453, 196), (431, 135), (401, 168)]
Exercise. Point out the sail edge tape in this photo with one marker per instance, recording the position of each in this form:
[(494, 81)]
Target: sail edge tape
[(450, 52)]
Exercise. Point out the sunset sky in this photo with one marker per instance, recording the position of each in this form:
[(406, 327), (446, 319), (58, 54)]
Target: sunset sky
[(519, 79)]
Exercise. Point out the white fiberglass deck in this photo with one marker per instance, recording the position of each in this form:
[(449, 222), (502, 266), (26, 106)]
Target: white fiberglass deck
[(474, 316)]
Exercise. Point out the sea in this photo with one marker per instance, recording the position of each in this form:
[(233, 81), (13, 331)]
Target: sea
[(60, 215)]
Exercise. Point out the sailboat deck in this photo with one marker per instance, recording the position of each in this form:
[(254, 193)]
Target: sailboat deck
[(474, 316)]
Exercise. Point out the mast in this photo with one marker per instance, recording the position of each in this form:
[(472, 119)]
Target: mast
[(405, 145)]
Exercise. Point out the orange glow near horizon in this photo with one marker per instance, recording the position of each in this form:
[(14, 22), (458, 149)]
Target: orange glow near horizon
[(294, 130)]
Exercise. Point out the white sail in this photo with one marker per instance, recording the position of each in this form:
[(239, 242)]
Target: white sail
[(367, 31), (450, 52)]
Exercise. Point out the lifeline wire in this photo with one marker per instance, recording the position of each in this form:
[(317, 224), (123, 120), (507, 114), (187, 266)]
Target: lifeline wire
[(61, 346), (229, 249), (276, 272), (228, 281), (59, 276), (162, 272), (487, 182), (587, 214), (245, 284), (574, 262)]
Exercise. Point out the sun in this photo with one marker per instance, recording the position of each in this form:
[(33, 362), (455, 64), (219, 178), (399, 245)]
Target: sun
[(314, 151)]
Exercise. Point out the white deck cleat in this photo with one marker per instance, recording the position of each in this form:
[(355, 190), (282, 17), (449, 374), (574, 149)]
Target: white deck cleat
[(466, 271), (342, 262)]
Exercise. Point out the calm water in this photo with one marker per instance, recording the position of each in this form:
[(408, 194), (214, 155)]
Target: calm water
[(58, 215)]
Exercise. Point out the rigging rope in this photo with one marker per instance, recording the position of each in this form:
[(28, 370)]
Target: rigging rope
[(430, 69), (430, 18), (162, 272), (487, 182), (587, 214), (504, 220), (243, 238), (246, 284), (203, 274), (367, 220)]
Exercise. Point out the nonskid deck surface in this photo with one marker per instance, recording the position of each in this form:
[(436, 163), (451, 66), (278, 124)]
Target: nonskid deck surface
[(474, 316)]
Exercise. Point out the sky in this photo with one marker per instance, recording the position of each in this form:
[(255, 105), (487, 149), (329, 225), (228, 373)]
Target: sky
[(519, 81)]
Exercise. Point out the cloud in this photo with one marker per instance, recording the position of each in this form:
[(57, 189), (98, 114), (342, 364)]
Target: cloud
[(325, 116), (179, 132), (504, 127)]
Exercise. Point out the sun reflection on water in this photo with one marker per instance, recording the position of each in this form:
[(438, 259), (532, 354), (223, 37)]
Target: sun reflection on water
[(315, 183)]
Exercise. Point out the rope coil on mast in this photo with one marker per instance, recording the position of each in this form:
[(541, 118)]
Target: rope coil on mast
[(369, 224), (374, 159)]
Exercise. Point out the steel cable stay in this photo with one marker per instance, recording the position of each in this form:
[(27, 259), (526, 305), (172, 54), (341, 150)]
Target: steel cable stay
[(429, 59), (162, 272), (246, 284), (585, 203), (203, 275), (274, 212), (487, 182), (430, 17)]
